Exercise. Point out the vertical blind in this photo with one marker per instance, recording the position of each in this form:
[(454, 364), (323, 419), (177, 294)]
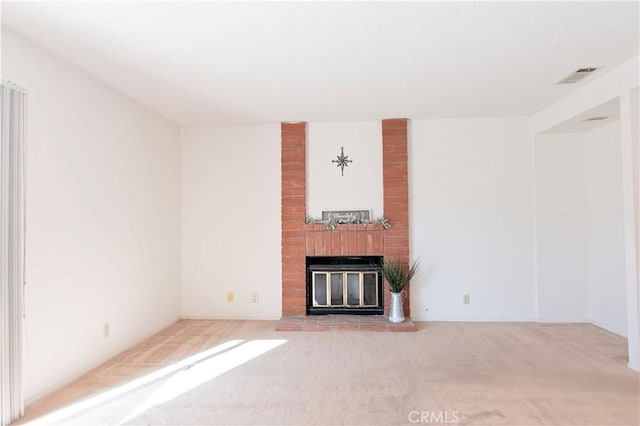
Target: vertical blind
[(12, 227)]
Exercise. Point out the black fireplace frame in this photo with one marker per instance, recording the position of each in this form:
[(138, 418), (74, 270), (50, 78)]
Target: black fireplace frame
[(345, 263)]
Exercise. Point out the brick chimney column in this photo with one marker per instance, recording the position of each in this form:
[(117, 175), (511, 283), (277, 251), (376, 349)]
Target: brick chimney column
[(294, 190), (396, 196)]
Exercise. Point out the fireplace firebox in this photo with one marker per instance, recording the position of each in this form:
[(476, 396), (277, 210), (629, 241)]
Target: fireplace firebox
[(344, 285)]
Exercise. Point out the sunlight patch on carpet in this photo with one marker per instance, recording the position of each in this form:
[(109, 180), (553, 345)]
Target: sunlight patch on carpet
[(204, 371), (206, 365)]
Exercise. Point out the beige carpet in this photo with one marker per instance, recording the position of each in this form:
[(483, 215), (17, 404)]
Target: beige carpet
[(244, 372)]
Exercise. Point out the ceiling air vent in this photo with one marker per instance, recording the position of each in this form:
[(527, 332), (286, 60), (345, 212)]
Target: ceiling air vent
[(577, 75), (595, 119)]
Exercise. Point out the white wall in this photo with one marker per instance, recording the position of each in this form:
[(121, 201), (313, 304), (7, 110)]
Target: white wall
[(635, 149), (621, 83), (471, 218), (605, 230), (561, 225), (630, 131), (361, 186), (230, 188), (580, 232), (102, 219)]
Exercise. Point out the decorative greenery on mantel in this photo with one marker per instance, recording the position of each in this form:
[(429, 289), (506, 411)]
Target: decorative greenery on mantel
[(331, 224)]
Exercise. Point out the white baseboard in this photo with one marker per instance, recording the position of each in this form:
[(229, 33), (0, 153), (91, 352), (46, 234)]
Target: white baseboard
[(562, 321), (457, 319), (418, 319), (230, 317), (610, 330)]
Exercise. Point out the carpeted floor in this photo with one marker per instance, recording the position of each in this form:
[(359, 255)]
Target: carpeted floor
[(244, 372)]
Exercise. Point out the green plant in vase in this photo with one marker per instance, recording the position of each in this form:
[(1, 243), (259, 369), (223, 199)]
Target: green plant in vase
[(398, 275)]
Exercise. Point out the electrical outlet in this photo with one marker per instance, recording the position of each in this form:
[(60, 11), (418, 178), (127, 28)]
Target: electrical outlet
[(230, 297), (255, 297), (466, 299), (105, 329)]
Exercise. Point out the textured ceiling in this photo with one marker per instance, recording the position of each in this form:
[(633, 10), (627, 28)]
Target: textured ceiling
[(205, 63)]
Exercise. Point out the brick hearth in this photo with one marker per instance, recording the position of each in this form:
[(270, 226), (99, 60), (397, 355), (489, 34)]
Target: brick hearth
[(300, 240), (342, 323)]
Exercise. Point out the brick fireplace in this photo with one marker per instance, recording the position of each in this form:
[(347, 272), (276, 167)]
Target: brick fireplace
[(301, 240)]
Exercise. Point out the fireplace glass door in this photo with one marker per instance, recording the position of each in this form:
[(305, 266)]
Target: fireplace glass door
[(345, 289), (344, 285)]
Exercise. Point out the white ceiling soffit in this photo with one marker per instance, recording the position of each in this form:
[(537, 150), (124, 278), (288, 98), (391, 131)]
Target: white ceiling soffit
[(224, 62), (599, 116)]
